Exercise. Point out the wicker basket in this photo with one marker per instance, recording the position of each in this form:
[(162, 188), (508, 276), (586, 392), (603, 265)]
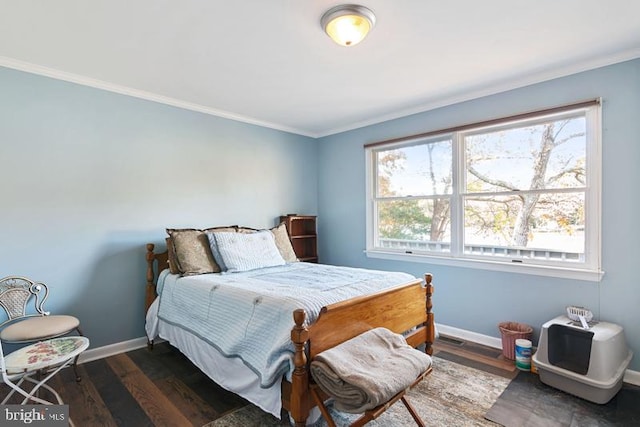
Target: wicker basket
[(512, 331)]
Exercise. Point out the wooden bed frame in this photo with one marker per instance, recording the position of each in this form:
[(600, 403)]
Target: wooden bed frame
[(399, 309)]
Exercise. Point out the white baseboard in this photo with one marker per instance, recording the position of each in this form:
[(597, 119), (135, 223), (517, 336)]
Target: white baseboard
[(630, 377), (112, 349), (465, 335)]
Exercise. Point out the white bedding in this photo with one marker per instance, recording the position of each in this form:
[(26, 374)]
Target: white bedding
[(236, 327), (229, 373)]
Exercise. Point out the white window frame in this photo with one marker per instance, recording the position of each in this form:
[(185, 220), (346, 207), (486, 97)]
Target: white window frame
[(590, 270)]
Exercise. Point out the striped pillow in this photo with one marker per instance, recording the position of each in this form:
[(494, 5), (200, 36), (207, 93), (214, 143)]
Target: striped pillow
[(244, 252)]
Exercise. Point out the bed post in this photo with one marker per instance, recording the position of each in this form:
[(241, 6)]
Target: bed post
[(300, 378), (151, 287), (431, 330)]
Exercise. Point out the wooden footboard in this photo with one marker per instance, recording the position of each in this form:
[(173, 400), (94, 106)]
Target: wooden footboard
[(403, 308), (400, 309)]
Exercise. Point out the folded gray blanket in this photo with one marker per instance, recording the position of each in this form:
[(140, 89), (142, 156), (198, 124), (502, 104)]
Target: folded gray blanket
[(368, 370)]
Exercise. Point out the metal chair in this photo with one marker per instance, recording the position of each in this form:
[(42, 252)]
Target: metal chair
[(22, 327), (38, 363)]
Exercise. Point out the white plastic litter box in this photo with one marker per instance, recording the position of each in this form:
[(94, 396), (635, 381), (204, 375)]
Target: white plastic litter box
[(588, 363)]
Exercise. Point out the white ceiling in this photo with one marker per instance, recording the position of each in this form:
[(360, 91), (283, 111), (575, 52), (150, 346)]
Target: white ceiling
[(268, 62)]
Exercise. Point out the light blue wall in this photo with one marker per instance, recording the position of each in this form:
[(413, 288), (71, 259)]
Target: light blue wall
[(88, 177), (478, 300)]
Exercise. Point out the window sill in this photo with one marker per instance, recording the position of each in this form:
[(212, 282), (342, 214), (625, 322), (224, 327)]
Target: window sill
[(522, 268)]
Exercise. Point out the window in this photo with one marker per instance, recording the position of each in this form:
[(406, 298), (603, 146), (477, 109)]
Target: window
[(521, 193)]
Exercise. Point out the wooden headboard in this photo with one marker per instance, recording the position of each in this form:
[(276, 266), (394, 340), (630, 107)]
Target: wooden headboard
[(161, 261)]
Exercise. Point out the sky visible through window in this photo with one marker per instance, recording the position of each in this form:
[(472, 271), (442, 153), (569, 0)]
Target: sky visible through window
[(545, 155), (412, 178), (507, 156)]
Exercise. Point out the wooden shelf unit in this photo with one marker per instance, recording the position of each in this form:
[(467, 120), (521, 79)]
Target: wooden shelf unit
[(303, 236)]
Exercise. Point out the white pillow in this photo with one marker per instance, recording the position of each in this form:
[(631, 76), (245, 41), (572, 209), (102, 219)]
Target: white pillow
[(214, 250), (243, 252)]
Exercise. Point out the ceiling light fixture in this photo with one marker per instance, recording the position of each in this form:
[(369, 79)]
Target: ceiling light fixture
[(348, 24)]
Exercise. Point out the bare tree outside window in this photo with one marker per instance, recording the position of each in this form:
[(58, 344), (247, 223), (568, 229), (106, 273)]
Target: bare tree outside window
[(526, 186), (512, 190), (408, 182)]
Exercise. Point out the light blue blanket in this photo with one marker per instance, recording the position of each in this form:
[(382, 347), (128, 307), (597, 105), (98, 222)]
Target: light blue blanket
[(250, 315)]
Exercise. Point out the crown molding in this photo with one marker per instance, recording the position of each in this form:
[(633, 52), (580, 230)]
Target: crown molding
[(147, 96), (440, 102), (510, 84)]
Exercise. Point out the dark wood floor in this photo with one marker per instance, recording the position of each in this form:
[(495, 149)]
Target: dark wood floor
[(162, 387)]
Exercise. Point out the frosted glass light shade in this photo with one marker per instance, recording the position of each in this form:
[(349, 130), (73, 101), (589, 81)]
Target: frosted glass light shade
[(348, 25)]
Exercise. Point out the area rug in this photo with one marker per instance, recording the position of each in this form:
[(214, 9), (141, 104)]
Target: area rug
[(529, 402), (452, 395)]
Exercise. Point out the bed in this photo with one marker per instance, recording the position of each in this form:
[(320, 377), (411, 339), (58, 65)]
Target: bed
[(268, 362)]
